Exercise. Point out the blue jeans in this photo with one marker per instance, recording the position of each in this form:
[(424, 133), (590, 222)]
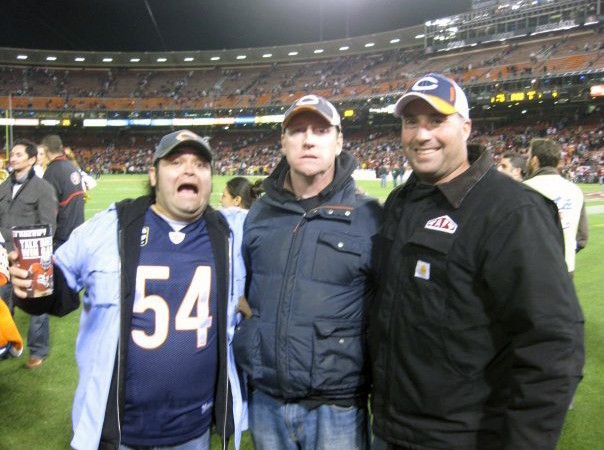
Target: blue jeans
[(292, 426), (38, 336), (200, 443)]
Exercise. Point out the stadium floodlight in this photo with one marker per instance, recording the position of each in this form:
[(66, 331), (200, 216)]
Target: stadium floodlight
[(395, 41), (215, 58), (188, 59), (79, 59), (292, 54), (135, 60), (162, 59), (369, 44), (267, 55), (107, 60), (344, 48), (319, 50), (23, 57), (241, 56), (51, 58)]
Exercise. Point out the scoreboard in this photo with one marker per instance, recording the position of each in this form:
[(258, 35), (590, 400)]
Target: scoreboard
[(525, 96)]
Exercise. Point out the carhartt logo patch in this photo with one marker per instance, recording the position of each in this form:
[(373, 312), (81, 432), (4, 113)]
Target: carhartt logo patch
[(442, 223), (422, 270)]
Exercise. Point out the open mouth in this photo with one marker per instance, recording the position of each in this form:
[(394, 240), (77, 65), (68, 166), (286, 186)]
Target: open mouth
[(188, 188)]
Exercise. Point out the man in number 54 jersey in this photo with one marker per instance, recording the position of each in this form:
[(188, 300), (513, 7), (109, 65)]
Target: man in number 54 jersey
[(161, 290)]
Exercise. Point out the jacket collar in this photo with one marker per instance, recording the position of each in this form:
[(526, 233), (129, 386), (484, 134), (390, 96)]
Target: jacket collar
[(24, 179), (544, 171), (456, 190), (274, 185)]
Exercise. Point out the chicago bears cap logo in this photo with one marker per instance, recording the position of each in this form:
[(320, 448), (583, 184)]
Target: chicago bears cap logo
[(312, 103), (442, 93)]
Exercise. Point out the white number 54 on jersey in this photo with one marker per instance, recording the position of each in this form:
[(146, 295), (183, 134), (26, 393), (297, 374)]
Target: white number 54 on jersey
[(193, 313)]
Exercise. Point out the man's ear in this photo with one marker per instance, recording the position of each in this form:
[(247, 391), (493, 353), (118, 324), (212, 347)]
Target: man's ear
[(339, 143), (152, 176), (282, 140), (467, 128)]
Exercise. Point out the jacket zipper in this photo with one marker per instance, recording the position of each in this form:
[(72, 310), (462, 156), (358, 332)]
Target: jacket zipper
[(229, 253), (287, 272), (119, 339)]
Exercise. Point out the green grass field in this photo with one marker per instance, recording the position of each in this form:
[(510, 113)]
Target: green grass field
[(35, 406)]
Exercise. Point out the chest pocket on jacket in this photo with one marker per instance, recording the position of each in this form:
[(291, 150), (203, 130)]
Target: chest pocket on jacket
[(338, 258), (426, 255), (103, 276)]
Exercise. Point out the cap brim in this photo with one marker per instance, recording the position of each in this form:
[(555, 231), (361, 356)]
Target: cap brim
[(303, 108), (437, 103)]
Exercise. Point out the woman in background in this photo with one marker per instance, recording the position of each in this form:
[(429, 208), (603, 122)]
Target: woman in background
[(240, 192), (41, 162)]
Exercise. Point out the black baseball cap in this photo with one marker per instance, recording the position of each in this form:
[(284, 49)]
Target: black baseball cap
[(177, 139)]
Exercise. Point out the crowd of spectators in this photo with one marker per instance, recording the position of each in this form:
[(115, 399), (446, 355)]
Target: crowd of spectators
[(339, 78), (258, 152)]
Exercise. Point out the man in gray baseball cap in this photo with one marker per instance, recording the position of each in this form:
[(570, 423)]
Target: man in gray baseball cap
[(315, 104), (308, 243)]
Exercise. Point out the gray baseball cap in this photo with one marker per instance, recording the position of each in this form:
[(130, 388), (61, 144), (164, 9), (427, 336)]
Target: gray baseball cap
[(177, 139), (315, 104)]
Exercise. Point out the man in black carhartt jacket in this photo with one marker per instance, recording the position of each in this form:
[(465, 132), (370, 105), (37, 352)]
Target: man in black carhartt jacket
[(476, 333)]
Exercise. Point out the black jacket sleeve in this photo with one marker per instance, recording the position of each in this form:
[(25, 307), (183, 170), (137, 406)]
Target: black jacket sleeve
[(62, 301)]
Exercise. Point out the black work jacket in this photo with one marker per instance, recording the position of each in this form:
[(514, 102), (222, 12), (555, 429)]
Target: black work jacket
[(476, 337)]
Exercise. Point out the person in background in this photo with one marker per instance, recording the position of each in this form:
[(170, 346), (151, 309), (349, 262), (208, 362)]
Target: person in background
[(67, 181), (240, 192), (42, 162), (308, 245), (26, 199), (3, 170), (513, 165), (382, 172), (476, 333), (544, 156), (396, 173), (87, 181), (156, 368)]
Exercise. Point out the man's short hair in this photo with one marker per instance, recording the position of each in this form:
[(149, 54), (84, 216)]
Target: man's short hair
[(517, 160), (53, 144), (547, 152), (30, 147)]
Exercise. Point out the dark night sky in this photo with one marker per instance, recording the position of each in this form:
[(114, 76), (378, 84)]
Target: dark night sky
[(161, 25)]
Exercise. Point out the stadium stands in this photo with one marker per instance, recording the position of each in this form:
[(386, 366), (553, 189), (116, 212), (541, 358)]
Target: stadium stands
[(561, 64)]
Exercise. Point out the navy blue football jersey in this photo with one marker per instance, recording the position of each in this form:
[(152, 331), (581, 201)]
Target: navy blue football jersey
[(172, 360)]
